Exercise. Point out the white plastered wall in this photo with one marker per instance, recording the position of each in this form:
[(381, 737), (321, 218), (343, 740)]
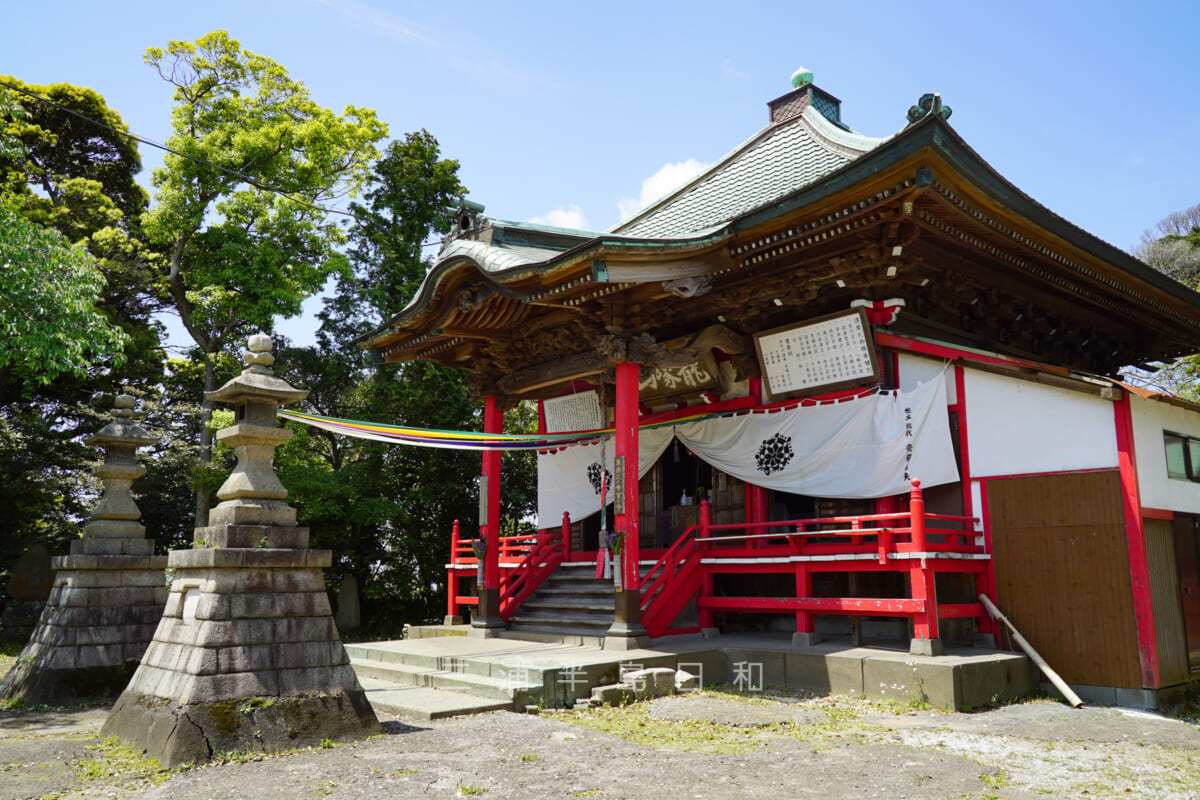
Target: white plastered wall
[(914, 370), (1017, 427), (1150, 419)]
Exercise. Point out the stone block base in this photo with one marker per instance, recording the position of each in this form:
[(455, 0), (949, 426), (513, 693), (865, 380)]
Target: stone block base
[(101, 615), (246, 657), (35, 685), (19, 619), (183, 734)]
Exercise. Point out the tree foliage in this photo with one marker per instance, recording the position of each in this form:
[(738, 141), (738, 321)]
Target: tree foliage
[(386, 511), (1173, 248), (240, 209), (71, 167), (49, 323)]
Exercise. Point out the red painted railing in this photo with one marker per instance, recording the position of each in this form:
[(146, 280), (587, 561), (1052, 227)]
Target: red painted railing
[(526, 561), (520, 582), (912, 542)]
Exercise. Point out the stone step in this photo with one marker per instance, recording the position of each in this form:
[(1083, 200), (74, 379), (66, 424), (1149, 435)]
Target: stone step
[(419, 702), (368, 654), (561, 628), (537, 616), (525, 633), (429, 660), (516, 690), (570, 604), (571, 591)]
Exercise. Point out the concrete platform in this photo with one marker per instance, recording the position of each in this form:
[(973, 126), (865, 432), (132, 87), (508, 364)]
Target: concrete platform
[(416, 702), (555, 674)]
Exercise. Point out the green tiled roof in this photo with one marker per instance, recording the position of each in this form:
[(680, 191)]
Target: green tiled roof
[(774, 163), (496, 257)]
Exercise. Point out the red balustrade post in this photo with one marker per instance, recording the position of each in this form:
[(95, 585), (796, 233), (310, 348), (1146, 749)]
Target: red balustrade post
[(806, 634), (452, 616), (925, 639), (489, 527), (566, 536), (916, 511), (707, 617)]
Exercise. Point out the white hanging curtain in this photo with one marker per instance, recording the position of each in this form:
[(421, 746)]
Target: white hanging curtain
[(869, 447), (569, 479)]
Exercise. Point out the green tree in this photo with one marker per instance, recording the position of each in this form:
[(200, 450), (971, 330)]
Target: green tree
[(241, 206), (64, 336), (48, 293), (1173, 248), (63, 146), (72, 168), (386, 511)]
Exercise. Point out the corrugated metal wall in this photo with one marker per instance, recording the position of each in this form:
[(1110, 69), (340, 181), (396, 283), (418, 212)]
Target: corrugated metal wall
[(1062, 573)]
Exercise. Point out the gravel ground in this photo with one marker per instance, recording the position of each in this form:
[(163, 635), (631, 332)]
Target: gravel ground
[(699, 745)]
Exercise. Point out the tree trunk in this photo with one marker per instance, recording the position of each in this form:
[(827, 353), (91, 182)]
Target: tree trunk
[(206, 408)]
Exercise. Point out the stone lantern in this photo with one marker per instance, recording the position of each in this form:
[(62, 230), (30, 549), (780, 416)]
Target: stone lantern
[(247, 656), (107, 595)]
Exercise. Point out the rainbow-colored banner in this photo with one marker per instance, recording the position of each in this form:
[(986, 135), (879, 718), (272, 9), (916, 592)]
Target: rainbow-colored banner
[(460, 440)]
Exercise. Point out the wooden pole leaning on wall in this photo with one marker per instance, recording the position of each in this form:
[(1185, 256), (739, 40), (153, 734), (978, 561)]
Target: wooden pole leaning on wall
[(1058, 682)]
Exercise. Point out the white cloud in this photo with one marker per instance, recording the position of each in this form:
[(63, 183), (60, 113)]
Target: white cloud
[(731, 72), (669, 178), (570, 217), (375, 20)]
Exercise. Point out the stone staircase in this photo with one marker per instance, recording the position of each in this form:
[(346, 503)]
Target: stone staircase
[(570, 606), (448, 676)]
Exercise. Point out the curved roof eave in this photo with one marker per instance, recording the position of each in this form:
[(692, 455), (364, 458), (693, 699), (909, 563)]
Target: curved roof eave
[(456, 262)]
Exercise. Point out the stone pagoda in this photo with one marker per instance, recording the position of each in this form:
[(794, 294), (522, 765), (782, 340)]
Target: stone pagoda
[(247, 656), (107, 595)]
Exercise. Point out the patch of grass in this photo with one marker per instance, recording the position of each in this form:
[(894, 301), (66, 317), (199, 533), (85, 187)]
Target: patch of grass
[(996, 780), (529, 755), (399, 772), (591, 793), (115, 760), (236, 756), (471, 789)]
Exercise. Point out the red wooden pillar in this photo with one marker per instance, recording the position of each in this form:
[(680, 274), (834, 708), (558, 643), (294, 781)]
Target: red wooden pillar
[(925, 639), (1135, 537), (452, 617), (756, 496), (806, 634), (488, 615), (707, 617), (627, 631), (565, 533), (627, 448)]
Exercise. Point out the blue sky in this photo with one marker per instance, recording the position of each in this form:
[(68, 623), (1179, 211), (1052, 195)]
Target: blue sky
[(569, 113)]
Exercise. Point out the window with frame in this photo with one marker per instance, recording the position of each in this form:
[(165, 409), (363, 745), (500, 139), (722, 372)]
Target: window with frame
[(1183, 456)]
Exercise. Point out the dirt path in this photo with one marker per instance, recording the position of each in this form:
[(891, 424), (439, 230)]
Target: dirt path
[(708, 745)]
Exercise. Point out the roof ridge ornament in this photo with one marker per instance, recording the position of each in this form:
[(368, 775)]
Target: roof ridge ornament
[(930, 102), (801, 77)]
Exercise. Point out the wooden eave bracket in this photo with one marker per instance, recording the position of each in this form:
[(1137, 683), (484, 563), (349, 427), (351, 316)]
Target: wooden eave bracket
[(612, 349)]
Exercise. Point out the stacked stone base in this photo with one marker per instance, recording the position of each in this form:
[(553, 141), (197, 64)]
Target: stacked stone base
[(246, 656), (19, 619), (101, 615), (192, 733)]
